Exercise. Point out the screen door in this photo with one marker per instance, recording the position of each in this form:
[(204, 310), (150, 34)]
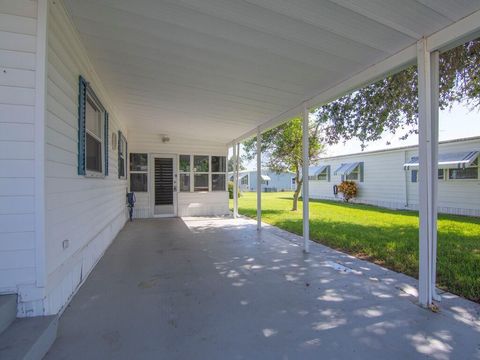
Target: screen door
[(164, 186)]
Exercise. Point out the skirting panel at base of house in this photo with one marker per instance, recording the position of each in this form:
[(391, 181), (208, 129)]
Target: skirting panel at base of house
[(67, 279)]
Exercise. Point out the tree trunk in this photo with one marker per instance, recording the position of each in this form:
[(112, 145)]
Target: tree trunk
[(298, 189)]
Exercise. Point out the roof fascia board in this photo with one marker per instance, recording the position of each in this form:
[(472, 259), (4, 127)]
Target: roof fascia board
[(447, 38)]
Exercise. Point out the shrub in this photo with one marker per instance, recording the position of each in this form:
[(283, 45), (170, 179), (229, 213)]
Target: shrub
[(349, 190), (230, 190)]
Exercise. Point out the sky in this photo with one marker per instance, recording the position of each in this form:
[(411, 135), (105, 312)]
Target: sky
[(459, 122)]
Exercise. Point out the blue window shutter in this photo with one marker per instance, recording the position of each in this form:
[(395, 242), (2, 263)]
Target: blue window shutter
[(328, 173), (126, 157), (106, 143), (361, 171), (119, 152), (82, 95)]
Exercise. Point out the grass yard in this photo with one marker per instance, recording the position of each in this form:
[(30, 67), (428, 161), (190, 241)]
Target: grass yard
[(386, 237)]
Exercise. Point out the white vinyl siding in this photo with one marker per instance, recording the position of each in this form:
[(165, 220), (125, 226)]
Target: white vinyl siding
[(387, 184), (17, 143), (189, 203), (88, 212)]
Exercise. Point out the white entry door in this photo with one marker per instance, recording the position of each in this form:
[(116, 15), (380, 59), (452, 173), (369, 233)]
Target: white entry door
[(164, 185)]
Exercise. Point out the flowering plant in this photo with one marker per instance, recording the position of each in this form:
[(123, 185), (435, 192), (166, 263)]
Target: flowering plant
[(349, 190)]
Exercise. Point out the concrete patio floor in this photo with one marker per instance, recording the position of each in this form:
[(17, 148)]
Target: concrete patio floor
[(217, 289)]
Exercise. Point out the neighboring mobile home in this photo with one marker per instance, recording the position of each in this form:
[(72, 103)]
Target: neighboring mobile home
[(271, 180), (389, 178)]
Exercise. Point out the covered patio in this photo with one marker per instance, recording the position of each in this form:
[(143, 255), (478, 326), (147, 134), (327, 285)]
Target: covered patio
[(216, 288), (103, 98)]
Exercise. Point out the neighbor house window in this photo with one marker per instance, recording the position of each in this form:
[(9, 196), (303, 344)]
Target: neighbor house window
[(184, 172), (122, 156), (414, 175), (92, 133), (201, 167), (138, 172), (468, 173), (219, 173), (351, 171), (324, 175), (244, 180), (441, 174), (354, 175)]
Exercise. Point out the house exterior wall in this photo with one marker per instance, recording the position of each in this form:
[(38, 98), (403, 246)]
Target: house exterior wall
[(188, 203), (82, 215), (87, 212), (387, 184), (18, 30), (55, 224), (461, 197)]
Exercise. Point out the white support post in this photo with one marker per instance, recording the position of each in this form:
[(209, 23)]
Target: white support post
[(305, 193), (235, 183), (259, 179), (237, 175), (428, 169), (435, 78)]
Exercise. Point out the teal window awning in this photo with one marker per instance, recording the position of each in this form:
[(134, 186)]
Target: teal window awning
[(317, 170), (456, 160), (346, 169)]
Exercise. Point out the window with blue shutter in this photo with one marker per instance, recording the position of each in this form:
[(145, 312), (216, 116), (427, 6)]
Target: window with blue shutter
[(106, 142), (122, 156), (82, 93), (92, 133)]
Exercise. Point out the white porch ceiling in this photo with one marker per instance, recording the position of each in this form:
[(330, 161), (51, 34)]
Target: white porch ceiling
[(216, 69)]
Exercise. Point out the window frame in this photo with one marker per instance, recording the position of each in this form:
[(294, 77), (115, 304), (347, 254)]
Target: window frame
[(224, 172), (444, 177), (87, 96), (189, 173), (327, 174), (355, 171), (210, 173), (245, 183), (474, 165), (139, 172), (122, 138)]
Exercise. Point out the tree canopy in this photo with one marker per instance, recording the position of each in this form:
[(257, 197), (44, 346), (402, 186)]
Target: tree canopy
[(231, 163), (391, 104), (282, 149)]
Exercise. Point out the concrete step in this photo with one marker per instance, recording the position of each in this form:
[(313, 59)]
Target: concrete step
[(8, 310), (28, 338)]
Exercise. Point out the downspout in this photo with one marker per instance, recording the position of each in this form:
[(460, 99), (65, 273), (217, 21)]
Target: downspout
[(41, 64), (405, 160)]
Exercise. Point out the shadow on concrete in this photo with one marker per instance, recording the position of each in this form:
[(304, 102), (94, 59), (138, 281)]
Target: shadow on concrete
[(205, 288)]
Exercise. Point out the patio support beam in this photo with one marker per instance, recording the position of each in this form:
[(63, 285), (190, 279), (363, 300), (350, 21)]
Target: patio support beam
[(259, 179), (428, 168), (305, 193), (235, 182)]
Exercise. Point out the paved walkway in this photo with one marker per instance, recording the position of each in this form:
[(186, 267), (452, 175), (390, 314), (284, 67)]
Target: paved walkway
[(217, 289)]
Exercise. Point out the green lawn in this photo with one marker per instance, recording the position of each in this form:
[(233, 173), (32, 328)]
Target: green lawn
[(386, 237)]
